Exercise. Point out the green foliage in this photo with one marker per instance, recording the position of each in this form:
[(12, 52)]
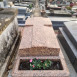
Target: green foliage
[(68, 8), (37, 64), (1, 0), (30, 6), (47, 64)]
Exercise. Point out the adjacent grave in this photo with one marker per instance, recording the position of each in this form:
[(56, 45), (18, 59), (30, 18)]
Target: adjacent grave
[(8, 37), (69, 32)]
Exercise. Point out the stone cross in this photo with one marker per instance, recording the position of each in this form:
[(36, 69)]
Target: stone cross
[(37, 12)]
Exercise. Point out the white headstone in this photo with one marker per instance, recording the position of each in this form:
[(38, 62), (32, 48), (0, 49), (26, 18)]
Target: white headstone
[(1, 4)]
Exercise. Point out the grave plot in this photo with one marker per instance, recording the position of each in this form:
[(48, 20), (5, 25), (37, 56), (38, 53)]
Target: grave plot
[(69, 34), (38, 38), (57, 69), (9, 36), (39, 53), (39, 42)]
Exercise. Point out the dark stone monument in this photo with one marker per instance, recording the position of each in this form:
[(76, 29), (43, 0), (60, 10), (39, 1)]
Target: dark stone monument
[(69, 33)]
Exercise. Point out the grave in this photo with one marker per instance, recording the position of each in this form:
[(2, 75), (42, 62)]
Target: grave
[(42, 43), (39, 41), (8, 37), (69, 33)]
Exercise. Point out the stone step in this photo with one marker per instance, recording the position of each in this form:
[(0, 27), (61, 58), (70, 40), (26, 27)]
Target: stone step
[(69, 48), (70, 29)]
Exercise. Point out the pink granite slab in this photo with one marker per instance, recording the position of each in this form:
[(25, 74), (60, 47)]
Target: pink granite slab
[(38, 35), (39, 41), (40, 73)]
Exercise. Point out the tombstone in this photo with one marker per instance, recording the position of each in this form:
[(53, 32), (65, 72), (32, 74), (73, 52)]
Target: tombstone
[(7, 37), (39, 41), (69, 33)]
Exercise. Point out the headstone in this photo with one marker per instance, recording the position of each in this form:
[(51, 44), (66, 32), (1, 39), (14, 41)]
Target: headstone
[(1, 5)]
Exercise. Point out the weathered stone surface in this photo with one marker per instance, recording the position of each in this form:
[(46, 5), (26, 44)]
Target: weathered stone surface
[(9, 31), (70, 29), (9, 11), (38, 39), (29, 45), (20, 29), (6, 16), (4, 68)]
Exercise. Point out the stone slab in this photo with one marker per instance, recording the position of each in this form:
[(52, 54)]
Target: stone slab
[(39, 37), (57, 24), (62, 13), (6, 17), (43, 73), (5, 65), (70, 29), (67, 48), (70, 49), (9, 11), (39, 51), (72, 71), (69, 42)]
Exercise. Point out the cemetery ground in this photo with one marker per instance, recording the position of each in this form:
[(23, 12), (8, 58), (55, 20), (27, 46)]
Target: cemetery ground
[(30, 48), (12, 62)]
